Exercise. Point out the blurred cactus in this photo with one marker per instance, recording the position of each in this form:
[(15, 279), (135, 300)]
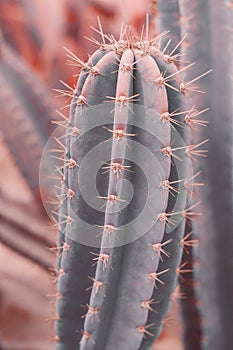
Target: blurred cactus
[(131, 281), (168, 20), (208, 23), (27, 110)]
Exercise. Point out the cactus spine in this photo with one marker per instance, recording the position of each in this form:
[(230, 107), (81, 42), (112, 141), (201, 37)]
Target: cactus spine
[(125, 287)]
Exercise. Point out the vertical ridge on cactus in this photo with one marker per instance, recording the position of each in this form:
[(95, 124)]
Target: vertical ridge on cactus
[(125, 276)]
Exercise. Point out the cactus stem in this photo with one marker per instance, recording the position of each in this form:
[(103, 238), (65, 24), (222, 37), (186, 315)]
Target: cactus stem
[(154, 276), (144, 329), (158, 248)]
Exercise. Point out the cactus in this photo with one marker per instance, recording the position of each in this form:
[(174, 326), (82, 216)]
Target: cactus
[(27, 111), (127, 279), (20, 230), (215, 226)]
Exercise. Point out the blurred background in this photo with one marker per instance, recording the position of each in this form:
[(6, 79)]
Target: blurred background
[(32, 63)]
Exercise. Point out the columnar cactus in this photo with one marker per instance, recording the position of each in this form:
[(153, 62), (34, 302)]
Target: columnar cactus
[(215, 226), (26, 114), (120, 250)]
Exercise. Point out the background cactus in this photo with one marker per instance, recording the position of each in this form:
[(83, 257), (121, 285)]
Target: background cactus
[(215, 225), (131, 279), (168, 19), (27, 111)]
